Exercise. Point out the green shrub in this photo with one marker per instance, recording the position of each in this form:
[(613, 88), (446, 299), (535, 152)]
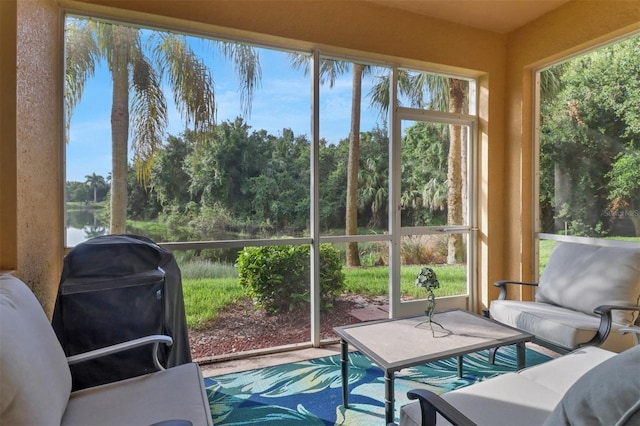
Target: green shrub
[(278, 277)]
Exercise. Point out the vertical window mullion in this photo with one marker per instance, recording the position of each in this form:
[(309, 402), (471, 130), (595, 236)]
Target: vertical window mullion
[(394, 197), (314, 196)]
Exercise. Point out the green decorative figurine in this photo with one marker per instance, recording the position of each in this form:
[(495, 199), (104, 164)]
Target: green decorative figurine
[(427, 279)]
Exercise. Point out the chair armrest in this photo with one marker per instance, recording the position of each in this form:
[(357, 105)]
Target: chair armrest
[(503, 286), (156, 339), (431, 403), (605, 321), (175, 422), (635, 330)]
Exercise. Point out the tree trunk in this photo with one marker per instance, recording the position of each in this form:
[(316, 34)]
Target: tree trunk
[(119, 133), (353, 255), (455, 247)]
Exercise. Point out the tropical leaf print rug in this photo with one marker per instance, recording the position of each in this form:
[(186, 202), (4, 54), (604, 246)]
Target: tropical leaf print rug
[(310, 392)]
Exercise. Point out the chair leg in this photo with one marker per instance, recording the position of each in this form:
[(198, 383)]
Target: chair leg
[(492, 355)]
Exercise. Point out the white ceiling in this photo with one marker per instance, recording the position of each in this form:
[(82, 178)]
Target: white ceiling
[(500, 16)]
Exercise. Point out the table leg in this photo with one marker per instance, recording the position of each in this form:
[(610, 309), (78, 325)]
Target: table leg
[(344, 346), (521, 355), (459, 365), (389, 397)]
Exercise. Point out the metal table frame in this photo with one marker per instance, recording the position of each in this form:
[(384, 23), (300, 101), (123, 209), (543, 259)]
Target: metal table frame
[(474, 332)]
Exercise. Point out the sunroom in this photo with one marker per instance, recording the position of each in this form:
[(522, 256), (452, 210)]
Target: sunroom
[(499, 53)]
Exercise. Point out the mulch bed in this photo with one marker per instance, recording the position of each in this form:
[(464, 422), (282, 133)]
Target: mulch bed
[(242, 327)]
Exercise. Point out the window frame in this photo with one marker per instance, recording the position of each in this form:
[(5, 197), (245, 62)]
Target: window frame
[(315, 239), (539, 236)]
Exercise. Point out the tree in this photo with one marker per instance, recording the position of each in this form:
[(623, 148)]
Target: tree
[(220, 171), (137, 97), (353, 255), (625, 186), (424, 174), (374, 177), (589, 140), (169, 178), (280, 193), (142, 203), (333, 175), (456, 159), (95, 181), (77, 191)]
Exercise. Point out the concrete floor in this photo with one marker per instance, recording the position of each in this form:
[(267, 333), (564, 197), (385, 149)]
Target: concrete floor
[(260, 361)]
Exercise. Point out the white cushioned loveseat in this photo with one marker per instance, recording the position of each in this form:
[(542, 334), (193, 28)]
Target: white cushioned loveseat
[(587, 387), (585, 294), (35, 380)]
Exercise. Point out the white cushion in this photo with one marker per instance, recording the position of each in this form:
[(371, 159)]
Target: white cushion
[(582, 277), (555, 324), (165, 395), (558, 325), (527, 397), (561, 373), (506, 400), (35, 381)]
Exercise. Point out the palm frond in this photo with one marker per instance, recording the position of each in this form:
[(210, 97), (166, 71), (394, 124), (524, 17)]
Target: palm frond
[(247, 64), (82, 56), (419, 89), (331, 69), (300, 61), (190, 80), (118, 44), (434, 193), (379, 94), (149, 116), (551, 80), (427, 89)]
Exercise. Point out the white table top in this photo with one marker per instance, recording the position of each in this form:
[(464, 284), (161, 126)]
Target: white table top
[(400, 343)]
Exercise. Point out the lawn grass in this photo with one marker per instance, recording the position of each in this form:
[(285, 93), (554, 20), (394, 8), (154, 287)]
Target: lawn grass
[(544, 252), (208, 287), (374, 281), (205, 297)]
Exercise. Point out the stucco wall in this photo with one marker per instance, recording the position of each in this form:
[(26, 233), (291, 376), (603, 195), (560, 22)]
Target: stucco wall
[(38, 123)]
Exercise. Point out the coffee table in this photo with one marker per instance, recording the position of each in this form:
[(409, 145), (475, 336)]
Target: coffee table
[(401, 343)]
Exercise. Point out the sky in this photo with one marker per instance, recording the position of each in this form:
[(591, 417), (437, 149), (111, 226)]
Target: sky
[(282, 100)]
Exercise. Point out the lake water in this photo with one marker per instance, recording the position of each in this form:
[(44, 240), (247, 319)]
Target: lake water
[(83, 225)]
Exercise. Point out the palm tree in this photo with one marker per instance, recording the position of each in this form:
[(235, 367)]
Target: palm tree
[(95, 181), (353, 254), (137, 97), (455, 170), (374, 189)]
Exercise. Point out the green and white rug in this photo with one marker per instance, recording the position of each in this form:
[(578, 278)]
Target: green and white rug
[(310, 392)]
